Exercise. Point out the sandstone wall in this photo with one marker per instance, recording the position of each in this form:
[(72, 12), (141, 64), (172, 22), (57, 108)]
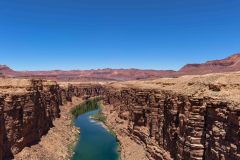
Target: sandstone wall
[(178, 126), (169, 125), (27, 115)]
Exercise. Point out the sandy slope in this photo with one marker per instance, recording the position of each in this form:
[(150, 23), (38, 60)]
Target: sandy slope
[(57, 144)]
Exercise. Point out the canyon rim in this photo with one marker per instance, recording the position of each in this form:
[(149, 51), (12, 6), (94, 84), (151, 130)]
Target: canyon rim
[(189, 117), (119, 80)]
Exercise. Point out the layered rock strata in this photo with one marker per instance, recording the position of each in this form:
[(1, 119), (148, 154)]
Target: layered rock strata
[(27, 109), (63, 135), (174, 126), (199, 122), (192, 117)]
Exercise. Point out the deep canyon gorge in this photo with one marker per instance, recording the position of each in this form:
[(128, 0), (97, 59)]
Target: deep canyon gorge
[(119, 80), (190, 117)]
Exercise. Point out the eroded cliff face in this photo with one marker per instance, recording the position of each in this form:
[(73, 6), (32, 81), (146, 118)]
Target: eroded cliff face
[(28, 108), (166, 121), (174, 126), (26, 113)]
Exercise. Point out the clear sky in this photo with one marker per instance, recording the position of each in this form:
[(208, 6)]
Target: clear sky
[(90, 34)]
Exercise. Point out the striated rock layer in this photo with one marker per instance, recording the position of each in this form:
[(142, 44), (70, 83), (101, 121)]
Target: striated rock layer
[(27, 109), (174, 126), (63, 135), (191, 117), (229, 64)]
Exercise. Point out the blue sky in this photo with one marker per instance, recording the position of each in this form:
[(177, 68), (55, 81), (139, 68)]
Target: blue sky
[(90, 34)]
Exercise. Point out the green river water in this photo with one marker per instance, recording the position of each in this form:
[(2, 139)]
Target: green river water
[(95, 142)]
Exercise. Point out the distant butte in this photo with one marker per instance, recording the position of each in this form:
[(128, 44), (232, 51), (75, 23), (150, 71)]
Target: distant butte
[(231, 63)]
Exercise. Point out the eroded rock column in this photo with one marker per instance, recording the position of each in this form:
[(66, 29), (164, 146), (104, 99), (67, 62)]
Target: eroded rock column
[(195, 131)]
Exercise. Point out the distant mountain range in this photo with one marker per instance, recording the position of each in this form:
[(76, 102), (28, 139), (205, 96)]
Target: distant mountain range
[(231, 63)]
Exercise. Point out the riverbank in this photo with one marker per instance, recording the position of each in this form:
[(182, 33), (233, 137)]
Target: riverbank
[(101, 118), (129, 148), (58, 143), (95, 141)]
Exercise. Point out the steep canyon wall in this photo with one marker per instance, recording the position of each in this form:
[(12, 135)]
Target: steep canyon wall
[(172, 125), (26, 113), (169, 124), (175, 126), (28, 108)]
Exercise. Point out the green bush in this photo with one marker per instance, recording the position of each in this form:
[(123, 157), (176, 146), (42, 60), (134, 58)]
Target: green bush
[(86, 106), (99, 117)]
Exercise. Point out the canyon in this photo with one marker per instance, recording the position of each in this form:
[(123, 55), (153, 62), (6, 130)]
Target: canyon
[(28, 109), (119, 80), (190, 117)]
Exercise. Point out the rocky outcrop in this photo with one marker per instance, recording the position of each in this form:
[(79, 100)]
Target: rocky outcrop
[(222, 133), (175, 126), (169, 123), (58, 142), (231, 63), (28, 108), (6, 71), (26, 113)]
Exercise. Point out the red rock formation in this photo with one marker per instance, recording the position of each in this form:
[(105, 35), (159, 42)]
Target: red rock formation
[(173, 125), (100, 74), (26, 115), (169, 124), (86, 75), (178, 126), (6, 71), (28, 110), (231, 63)]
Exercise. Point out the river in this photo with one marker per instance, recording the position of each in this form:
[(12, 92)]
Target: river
[(95, 142)]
